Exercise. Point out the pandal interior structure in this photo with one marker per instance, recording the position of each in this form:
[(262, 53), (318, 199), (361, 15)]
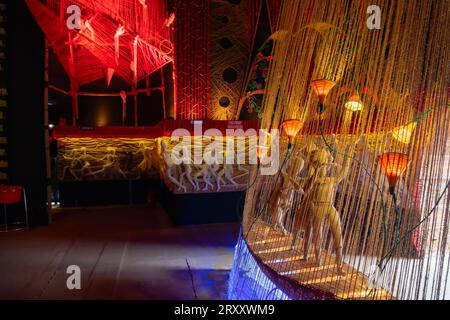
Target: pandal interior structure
[(91, 155), (363, 191)]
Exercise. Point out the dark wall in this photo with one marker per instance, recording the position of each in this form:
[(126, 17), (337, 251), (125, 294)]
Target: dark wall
[(25, 127)]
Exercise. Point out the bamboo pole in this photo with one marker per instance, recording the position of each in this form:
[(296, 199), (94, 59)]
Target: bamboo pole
[(104, 94), (46, 137), (135, 80), (163, 94)]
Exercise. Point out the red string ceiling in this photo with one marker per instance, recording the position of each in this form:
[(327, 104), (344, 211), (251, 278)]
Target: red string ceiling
[(124, 38)]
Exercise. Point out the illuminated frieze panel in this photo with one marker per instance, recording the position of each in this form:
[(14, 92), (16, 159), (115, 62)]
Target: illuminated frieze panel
[(90, 159), (105, 159)]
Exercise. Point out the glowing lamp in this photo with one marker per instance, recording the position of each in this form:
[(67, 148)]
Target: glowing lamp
[(292, 128), (403, 134), (321, 88), (394, 166), (354, 103)]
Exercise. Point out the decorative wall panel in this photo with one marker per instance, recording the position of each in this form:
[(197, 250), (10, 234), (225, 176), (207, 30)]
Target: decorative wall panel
[(229, 56), (192, 36)]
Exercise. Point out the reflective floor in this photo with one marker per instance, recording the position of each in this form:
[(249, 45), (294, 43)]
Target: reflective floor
[(122, 252)]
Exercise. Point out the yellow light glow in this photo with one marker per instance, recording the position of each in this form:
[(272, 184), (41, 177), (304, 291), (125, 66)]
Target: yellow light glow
[(102, 117), (403, 134), (261, 152), (354, 104)]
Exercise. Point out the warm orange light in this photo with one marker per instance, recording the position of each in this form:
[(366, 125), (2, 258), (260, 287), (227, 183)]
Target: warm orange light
[(394, 166), (403, 134), (322, 87), (261, 152), (292, 128), (354, 103)]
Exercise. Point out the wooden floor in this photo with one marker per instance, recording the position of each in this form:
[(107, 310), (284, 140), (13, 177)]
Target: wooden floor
[(123, 253), (275, 250)]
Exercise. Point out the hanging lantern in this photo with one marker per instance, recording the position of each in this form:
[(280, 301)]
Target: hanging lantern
[(403, 134), (354, 103), (291, 128), (394, 166), (321, 88)]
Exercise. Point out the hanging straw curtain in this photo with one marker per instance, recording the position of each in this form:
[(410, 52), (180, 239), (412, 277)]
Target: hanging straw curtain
[(395, 242)]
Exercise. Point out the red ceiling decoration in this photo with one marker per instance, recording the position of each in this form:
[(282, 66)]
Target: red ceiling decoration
[(125, 38)]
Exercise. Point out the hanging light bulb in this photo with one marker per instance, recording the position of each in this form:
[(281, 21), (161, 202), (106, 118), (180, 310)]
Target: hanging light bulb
[(354, 103), (394, 166), (292, 128), (403, 134), (321, 88)]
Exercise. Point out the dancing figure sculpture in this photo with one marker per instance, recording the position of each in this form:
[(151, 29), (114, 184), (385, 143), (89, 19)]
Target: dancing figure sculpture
[(208, 173), (283, 198), (189, 169), (169, 167), (146, 164), (79, 160), (227, 174), (319, 204), (111, 165)]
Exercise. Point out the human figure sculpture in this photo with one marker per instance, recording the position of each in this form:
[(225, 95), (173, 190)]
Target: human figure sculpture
[(170, 169), (207, 173), (319, 204), (283, 197), (214, 170), (74, 163), (189, 169), (79, 159), (226, 174), (111, 167), (146, 164), (203, 174), (311, 149), (242, 169)]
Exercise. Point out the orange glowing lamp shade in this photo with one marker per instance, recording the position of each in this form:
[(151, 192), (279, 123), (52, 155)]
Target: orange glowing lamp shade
[(292, 128), (322, 87), (394, 166), (403, 134), (354, 103)]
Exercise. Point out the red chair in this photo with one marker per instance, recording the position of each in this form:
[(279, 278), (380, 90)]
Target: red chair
[(12, 195)]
